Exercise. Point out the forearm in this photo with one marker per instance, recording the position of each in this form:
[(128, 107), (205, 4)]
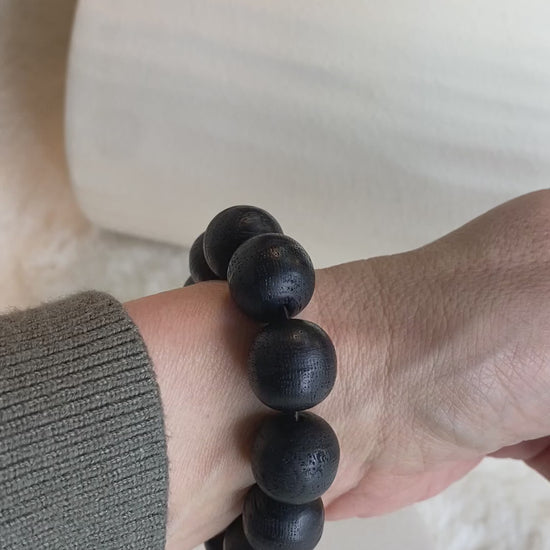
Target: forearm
[(197, 342)]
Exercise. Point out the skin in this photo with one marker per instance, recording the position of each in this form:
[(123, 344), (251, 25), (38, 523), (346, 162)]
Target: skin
[(444, 358)]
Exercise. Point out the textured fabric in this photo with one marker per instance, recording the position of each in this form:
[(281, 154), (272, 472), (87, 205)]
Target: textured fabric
[(366, 127), (82, 447)]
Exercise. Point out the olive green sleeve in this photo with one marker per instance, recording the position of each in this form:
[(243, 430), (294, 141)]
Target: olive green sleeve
[(82, 446)]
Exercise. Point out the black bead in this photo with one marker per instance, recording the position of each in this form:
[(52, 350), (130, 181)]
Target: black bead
[(200, 271), (292, 365), (235, 538), (215, 543), (295, 458), (268, 274), (231, 228), (272, 525), (189, 282)]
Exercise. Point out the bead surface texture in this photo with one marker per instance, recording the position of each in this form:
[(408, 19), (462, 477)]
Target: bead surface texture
[(235, 538), (200, 271), (292, 365), (231, 228), (272, 525), (269, 274), (295, 458)]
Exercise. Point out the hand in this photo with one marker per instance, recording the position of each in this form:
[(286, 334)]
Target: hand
[(465, 369), (443, 358)]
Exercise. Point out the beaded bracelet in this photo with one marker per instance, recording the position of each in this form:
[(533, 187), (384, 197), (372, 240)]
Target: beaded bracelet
[(291, 367)]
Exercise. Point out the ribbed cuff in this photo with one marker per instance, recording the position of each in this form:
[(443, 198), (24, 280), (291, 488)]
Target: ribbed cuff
[(82, 446)]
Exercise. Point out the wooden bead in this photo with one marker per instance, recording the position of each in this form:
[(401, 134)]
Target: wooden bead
[(215, 543), (235, 538), (189, 282), (295, 457), (231, 228), (292, 365), (268, 274), (272, 525), (200, 271)]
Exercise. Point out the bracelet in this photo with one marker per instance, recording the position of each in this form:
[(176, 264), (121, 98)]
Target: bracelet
[(291, 368)]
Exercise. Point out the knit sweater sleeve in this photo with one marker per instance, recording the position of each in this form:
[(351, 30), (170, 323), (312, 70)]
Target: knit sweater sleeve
[(82, 446)]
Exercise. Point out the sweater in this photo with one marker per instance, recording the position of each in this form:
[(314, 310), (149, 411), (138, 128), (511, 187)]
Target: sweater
[(83, 460)]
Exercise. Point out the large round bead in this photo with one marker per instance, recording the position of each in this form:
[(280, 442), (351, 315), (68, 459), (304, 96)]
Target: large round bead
[(272, 525), (295, 458), (200, 271), (215, 543), (268, 274), (292, 365), (235, 538), (231, 228)]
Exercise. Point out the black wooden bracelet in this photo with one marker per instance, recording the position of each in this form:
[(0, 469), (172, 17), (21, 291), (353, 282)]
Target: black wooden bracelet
[(291, 367)]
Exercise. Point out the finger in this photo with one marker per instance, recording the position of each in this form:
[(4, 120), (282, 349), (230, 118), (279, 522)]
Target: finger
[(384, 493), (524, 450), (541, 463)]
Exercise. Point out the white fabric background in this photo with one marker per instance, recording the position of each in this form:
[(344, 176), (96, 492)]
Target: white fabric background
[(366, 126)]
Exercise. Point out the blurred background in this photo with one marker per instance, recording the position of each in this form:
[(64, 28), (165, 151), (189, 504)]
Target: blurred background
[(365, 127)]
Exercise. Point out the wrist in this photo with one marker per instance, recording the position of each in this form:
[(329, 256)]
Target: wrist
[(198, 341), (348, 303)]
